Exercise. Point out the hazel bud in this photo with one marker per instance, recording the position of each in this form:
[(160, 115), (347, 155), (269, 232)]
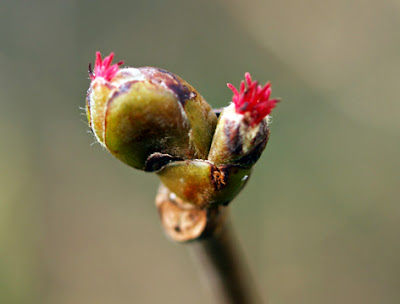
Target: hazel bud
[(147, 117), (153, 120), (242, 130)]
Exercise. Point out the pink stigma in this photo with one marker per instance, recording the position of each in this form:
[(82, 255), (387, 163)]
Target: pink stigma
[(103, 68), (253, 100)]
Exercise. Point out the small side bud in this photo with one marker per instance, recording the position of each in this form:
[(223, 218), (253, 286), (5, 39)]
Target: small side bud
[(202, 183), (242, 130)]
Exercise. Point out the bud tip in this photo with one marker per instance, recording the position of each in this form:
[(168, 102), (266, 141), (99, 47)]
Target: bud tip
[(103, 68), (253, 100)]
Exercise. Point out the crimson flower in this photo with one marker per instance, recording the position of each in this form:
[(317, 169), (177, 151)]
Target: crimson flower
[(253, 100), (103, 68)]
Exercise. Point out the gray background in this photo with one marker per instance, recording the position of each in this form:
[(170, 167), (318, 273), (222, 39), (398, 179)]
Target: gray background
[(319, 219)]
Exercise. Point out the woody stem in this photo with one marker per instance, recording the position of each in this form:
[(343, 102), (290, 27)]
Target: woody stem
[(224, 269)]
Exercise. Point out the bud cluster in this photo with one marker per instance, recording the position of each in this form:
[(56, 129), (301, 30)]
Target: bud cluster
[(154, 121)]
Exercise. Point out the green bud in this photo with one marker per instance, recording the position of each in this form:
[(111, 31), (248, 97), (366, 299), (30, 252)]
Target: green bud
[(148, 117)]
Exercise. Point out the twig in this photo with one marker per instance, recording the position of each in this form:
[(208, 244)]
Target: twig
[(222, 267), (209, 236)]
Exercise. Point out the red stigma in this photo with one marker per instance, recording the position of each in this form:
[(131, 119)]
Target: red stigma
[(103, 68), (253, 100)]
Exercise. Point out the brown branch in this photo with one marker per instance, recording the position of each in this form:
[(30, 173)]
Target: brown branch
[(223, 269), (212, 244)]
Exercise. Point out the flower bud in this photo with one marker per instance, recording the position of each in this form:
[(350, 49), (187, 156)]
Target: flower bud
[(242, 130), (147, 117)]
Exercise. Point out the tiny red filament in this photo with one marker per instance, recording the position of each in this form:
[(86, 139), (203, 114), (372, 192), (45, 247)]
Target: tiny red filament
[(253, 100), (103, 68)]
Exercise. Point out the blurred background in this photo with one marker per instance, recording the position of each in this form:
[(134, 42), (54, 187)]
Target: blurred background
[(319, 221)]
